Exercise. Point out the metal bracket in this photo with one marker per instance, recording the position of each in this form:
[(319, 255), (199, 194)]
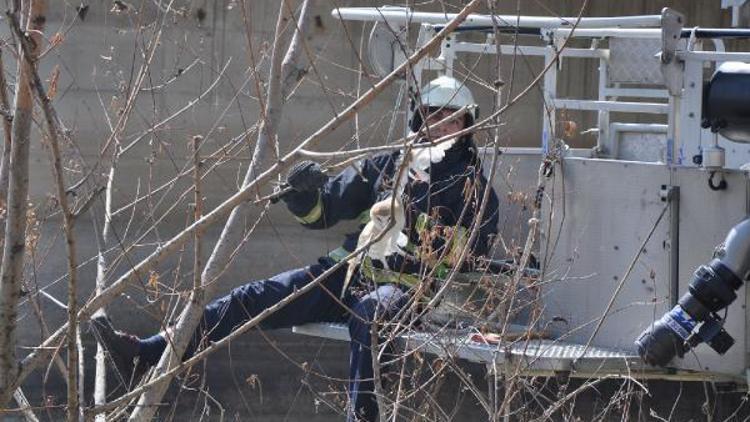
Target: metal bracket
[(671, 67), (447, 54), (671, 195), (387, 45)]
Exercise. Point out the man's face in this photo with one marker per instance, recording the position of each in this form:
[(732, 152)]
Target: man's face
[(447, 128)]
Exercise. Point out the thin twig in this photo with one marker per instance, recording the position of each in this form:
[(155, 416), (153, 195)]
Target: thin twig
[(197, 212)]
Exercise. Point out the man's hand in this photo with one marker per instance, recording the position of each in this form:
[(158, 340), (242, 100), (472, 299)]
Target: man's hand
[(302, 179), (306, 176)]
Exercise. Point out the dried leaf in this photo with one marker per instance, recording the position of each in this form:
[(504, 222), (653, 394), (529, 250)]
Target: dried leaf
[(32, 229), (153, 279), (56, 40), (119, 6), (570, 128), (253, 381), (54, 77), (115, 104)]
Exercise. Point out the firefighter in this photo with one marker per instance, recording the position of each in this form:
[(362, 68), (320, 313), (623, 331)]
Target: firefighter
[(445, 205)]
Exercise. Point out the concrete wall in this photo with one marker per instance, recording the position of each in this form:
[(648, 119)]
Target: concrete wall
[(98, 60)]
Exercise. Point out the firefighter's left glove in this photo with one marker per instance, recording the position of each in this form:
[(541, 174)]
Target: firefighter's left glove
[(306, 176), (303, 183)]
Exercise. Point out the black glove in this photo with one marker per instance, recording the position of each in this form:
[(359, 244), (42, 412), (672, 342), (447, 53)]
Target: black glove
[(306, 176), (305, 180)]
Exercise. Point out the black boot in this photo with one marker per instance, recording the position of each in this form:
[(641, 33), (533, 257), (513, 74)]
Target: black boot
[(122, 348)]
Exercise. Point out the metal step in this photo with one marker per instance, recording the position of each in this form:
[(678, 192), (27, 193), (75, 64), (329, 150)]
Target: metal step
[(531, 357)]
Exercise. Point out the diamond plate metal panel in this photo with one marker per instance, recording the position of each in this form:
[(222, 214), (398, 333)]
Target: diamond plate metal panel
[(635, 61), (649, 147), (533, 357)]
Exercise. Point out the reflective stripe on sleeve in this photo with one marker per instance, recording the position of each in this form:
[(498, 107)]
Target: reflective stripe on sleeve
[(338, 254), (315, 213), (364, 216)]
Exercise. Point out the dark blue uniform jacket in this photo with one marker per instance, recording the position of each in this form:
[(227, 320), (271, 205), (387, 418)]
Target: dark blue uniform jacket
[(451, 199)]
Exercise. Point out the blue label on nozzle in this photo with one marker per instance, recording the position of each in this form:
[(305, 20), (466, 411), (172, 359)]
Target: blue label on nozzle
[(679, 321)]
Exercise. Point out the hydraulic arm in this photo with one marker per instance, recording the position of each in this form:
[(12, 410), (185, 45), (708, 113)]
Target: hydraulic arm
[(695, 318)]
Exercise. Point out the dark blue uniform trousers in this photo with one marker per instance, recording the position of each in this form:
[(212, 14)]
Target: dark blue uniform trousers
[(318, 305)]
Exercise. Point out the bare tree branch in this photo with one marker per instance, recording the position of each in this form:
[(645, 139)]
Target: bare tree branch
[(232, 233), (167, 248), (103, 239), (23, 403), (53, 128)]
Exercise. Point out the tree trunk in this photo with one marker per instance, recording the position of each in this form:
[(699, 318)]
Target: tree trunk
[(11, 269), (7, 137)]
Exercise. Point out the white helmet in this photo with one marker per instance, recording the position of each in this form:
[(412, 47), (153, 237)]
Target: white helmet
[(444, 92)]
